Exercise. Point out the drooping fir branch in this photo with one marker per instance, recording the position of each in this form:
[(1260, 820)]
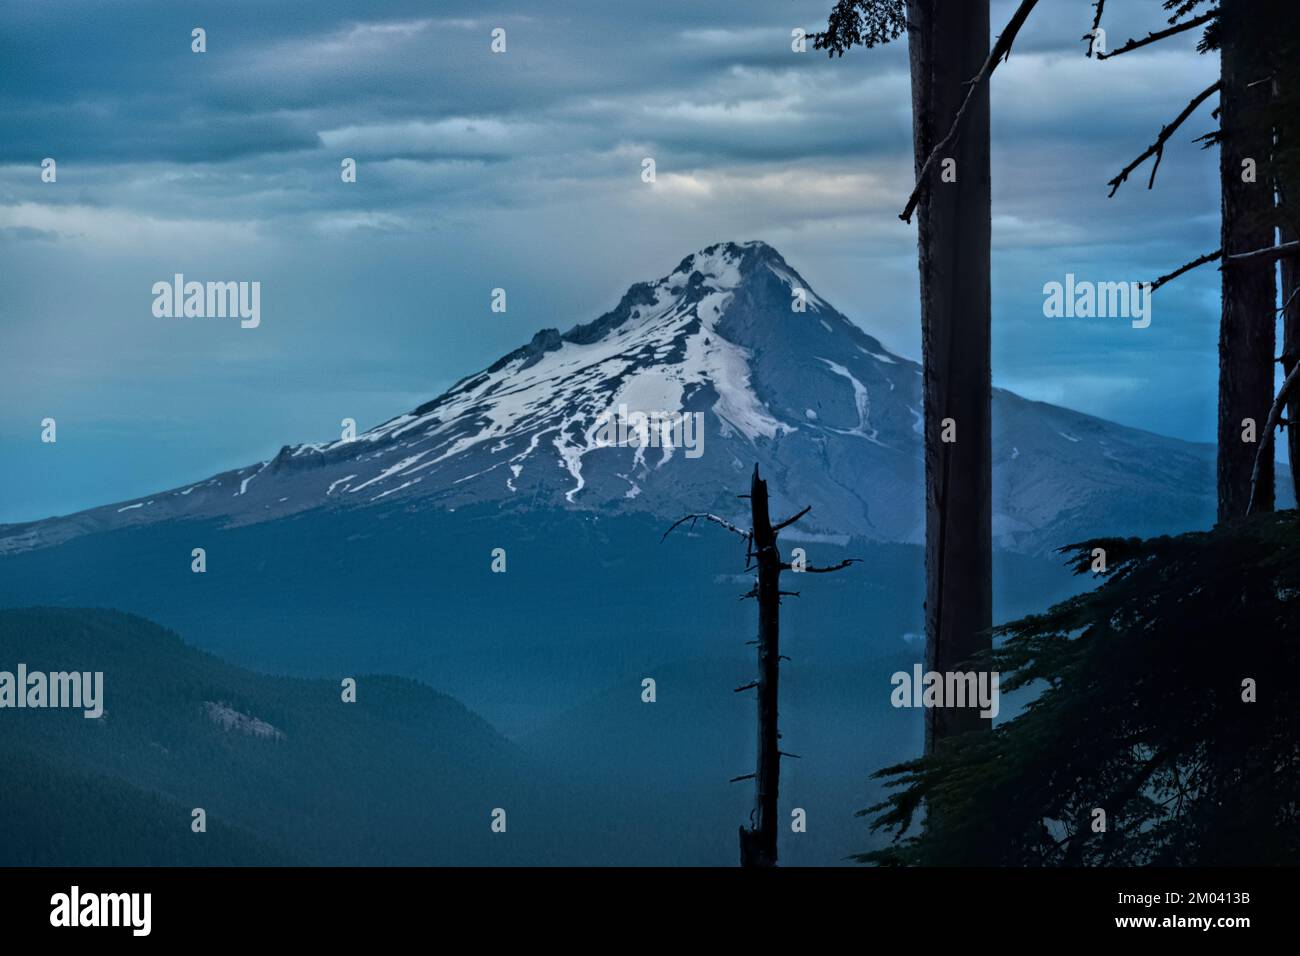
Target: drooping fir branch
[(1140, 713), (865, 23)]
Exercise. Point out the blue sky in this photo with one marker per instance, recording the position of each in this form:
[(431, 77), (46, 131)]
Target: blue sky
[(522, 170)]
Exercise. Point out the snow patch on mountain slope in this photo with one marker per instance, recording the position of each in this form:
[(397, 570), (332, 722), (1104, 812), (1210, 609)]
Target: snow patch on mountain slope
[(862, 399), (561, 392), (243, 485), (811, 297), (396, 469), (711, 358), (336, 483)]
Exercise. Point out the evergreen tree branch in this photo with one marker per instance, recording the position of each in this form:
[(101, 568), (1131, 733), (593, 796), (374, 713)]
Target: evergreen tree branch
[(865, 23)]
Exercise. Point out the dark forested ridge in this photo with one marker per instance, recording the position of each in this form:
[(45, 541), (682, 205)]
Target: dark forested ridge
[(288, 773), (285, 771), (391, 597)]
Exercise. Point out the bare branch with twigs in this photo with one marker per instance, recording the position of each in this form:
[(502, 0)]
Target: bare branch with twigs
[(1001, 51), (708, 517), (1091, 35), (1188, 267), (1191, 24), (1157, 148)]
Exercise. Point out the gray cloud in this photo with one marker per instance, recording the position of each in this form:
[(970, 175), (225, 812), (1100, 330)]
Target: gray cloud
[(478, 170)]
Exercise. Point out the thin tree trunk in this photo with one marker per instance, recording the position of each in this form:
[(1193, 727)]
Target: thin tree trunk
[(1247, 330), (758, 842), (1290, 355), (1286, 86), (948, 43)]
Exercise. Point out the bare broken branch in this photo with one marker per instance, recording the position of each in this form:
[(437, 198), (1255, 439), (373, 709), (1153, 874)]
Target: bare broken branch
[(791, 520), (710, 517), (1001, 51), (1091, 35), (813, 569), (750, 686), (1287, 304), (1208, 257), (1283, 250), (1266, 440), (1157, 148), (747, 776), (1191, 24)]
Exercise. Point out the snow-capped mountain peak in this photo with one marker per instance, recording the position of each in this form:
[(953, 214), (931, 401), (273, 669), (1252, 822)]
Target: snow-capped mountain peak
[(661, 350), (734, 343)]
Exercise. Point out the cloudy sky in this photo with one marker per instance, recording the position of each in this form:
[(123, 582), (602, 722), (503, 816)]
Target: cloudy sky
[(522, 170)]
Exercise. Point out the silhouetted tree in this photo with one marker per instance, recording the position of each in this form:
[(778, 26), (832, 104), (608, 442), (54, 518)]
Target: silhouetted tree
[(1256, 43), (948, 48), (758, 841), (1166, 733), (1258, 92)]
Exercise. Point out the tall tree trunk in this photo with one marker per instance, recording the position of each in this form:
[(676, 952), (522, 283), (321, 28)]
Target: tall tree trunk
[(1247, 329), (758, 842), (948, 43), (1286, 90), (1290, 355)]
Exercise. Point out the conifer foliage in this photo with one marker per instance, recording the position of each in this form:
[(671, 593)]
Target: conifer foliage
[(1167, 703)]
